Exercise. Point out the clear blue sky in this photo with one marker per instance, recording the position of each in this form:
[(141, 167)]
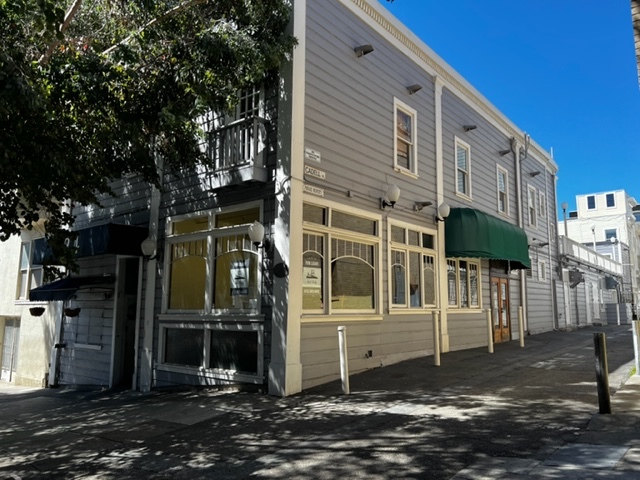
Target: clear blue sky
[(564, 71)]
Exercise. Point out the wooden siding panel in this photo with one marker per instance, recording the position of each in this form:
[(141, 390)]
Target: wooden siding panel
[(467, 330), (349, 107), (93, 326)]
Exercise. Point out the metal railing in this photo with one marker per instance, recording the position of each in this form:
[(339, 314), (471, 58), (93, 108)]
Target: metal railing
[(587, 255)]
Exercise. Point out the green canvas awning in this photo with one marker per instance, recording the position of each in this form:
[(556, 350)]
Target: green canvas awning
[(475, 234)]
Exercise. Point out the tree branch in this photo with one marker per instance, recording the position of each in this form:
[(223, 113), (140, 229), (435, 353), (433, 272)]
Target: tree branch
[(65, 24), (155, 21)]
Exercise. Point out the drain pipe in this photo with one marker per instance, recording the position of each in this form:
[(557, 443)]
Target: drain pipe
[(54, 359), (523, 274), (146, 360)]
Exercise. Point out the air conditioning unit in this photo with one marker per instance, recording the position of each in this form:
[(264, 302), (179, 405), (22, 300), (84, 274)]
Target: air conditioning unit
[(575, 277), (610, 283)]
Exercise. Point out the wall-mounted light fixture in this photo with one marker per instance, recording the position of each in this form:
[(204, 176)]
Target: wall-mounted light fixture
[(414, 88), (468, 128), (148, 247), (420, 205), (504, 152), (256, 235), (539, 244), (443, 212), (564, 206), (535, 173), (362, 50), (391, 197)]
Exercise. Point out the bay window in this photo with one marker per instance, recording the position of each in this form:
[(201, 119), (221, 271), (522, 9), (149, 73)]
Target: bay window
[(210, 323), (211, 263)]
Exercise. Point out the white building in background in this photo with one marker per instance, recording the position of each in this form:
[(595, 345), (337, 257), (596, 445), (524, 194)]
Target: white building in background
[(605, 223)]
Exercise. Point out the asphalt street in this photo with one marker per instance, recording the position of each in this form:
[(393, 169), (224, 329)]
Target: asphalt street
[(519, 413)]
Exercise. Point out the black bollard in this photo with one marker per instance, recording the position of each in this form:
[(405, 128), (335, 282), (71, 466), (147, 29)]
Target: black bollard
[(602, 372)]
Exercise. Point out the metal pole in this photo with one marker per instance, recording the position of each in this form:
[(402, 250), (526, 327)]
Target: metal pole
[(436, 338), (344, 360), (602, 372), (636, 346), (566, 230), (618, 310), (521, 325), (489, 331)]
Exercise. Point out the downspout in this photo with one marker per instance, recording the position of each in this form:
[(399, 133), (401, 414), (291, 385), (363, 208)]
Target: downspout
[(523, 274), (558, 258), (146, 361), (54, 359), (442, 345), (546, 199)]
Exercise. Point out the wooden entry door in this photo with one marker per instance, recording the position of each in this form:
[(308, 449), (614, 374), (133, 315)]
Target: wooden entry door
[(500, 309)]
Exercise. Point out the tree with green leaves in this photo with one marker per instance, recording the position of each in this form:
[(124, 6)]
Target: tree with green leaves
[(92, 92)]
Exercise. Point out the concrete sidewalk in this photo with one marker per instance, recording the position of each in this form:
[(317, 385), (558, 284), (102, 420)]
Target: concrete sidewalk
[(520, 413)]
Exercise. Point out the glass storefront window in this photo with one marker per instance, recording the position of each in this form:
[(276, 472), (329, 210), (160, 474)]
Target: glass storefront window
[(222, 257), (184, 346)]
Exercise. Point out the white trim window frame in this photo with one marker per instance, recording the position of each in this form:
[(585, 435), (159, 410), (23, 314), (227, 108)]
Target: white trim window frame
[(412, 268), (337, 260), (29, 276), (542, 270), (542, 205), (462, 165), (405, 141), (502, 190), (611, 196), (595, 205), (464, 284), (532, 207), (201, 250)]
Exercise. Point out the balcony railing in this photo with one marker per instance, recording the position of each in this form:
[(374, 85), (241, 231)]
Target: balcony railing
[(585, 254), (236, 154)]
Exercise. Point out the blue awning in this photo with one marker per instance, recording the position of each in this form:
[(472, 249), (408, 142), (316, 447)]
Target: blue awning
[(110, 238), (66, 288)]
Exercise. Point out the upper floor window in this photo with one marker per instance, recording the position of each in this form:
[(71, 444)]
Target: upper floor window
[(211, 263), (532, 206), (405, 118), (542, 270), (463, 168), (542, 205), (610, 233), (413, 275), (503, 191), (31, 271), (611, 200), (340, 272), (250, 103), (591, 202)]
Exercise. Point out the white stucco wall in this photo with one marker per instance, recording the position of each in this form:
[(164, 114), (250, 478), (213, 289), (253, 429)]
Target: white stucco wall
[(36, 333)]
